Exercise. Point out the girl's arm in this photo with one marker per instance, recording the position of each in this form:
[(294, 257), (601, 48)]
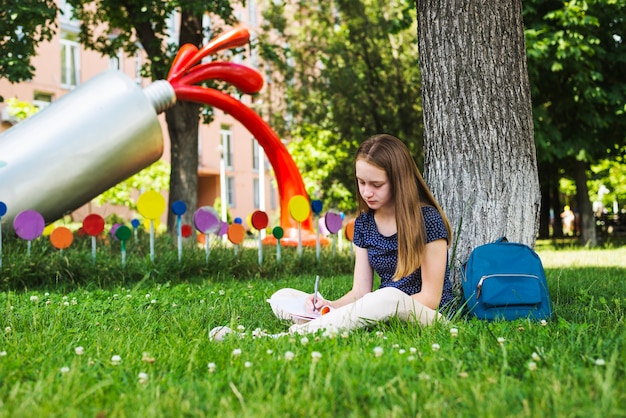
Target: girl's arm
[(433, 273), (361, 285)]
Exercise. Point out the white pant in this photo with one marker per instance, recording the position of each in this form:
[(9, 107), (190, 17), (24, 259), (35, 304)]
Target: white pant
[(379, 305)]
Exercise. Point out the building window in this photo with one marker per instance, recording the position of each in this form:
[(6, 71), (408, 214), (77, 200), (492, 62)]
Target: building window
[(115, 61), (230, 191), (255, 154), (70, 60), (257, 193), (226, 137), (42, 100)]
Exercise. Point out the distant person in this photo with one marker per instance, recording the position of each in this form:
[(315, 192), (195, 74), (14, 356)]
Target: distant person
[(568, 219)]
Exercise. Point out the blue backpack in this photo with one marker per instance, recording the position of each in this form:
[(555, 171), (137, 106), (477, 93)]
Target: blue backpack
[(505, 280)]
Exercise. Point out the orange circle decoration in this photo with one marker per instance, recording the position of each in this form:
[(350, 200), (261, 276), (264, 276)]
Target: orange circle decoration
[(236, 233), (349, 230), (299, 208), (151, 204), (260, 220), (61, 237)]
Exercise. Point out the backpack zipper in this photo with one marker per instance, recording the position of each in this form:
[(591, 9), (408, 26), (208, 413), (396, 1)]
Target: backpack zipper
[(479, 286)]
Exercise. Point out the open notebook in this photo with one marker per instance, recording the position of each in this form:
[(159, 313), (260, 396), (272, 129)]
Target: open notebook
[(295, 307)]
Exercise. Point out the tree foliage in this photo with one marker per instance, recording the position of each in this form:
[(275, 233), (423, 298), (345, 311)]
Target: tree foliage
[(350, 70), (24, 24)]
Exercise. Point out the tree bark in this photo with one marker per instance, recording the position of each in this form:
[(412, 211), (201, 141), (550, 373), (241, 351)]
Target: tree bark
[(586, 224), (480, 159)]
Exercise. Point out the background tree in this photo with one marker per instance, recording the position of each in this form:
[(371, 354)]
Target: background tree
[(110, 25), (24, 25), (577, 66), (479, 149), (350, 70)]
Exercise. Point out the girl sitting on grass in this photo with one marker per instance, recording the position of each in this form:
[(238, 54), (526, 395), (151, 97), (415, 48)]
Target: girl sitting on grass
[(401, 234)]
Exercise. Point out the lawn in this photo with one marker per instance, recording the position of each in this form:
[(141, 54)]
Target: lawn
[(126, 344)]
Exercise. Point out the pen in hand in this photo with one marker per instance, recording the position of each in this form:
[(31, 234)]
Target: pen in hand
[(317, 283)]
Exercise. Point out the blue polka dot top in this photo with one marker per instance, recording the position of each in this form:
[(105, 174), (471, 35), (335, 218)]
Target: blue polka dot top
[(382, 252)]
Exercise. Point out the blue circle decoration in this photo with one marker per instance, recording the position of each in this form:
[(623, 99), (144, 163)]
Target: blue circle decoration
[(135, 223), (238, 221), (3, 209), (179, 207), (316, 206)]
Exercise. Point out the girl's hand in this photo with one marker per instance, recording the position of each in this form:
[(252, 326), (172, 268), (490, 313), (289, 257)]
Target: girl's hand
[(321, 302)]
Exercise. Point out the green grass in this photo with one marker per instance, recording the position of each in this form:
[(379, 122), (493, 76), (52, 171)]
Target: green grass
[(157, 316)]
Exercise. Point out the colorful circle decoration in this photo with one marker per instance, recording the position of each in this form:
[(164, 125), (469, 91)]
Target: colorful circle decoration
[(123, 233), (135, 223), (238, 221), (29, 224), (278, 232), (260, 220), (206, 220), (299, 208), (179, 208), (151, 204), (333, 222), (114, 230), (61, 237), (93, 224), (3, 209), (236, 233), (316, 206), (349, 231), (186, 230), (223, 228)]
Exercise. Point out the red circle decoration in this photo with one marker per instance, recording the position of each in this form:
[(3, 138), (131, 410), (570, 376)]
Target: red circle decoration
[(186, 230), (93, 224), (260, 220)]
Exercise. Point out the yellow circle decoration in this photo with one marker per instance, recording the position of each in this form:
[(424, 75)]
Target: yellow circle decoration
[(151, 205), (299, 208)]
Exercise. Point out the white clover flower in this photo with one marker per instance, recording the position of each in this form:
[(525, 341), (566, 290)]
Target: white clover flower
[(345, 335), (211, 367), (115, 296), (501, 340), (247, 364), (129, 296), (435, 347), (241, 328), (65, 298), (48, 302), (201, 301), (269, 351), (143, 378), (221, 292), (34, 298), (379, 334), (544, 322), (463, 375), (378, 351), (153, 301), (46, 294), (148, 296), (304, 340), (535, 356), (3, 353), (257, 332), (115, 360), (410, 358), (401, 351), (532, 366), (8, 330), (66, 303), (289, 355), (65, 369), (174, 305), (600, 362), (454, 332), (315, 356), (413, 350), (79, 351), (74, 301), (395, 345), (236, 352)]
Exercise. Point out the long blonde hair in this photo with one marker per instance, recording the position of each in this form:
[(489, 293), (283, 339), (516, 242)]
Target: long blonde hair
[(390, 154)]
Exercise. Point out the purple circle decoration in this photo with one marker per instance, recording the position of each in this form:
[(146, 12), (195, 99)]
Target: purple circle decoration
[(333, 222), (206, 220), (29, 224)]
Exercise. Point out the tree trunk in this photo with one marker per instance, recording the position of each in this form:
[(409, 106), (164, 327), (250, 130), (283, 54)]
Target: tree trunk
[(182, 125), (585, 222), (480, 159)]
